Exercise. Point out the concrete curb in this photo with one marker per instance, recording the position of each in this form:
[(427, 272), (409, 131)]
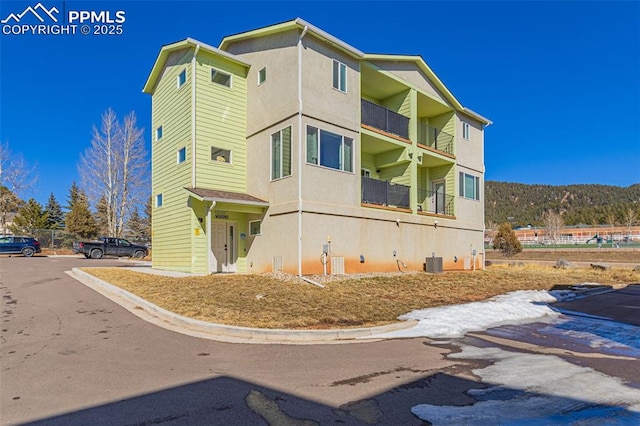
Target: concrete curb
[(225, 333)]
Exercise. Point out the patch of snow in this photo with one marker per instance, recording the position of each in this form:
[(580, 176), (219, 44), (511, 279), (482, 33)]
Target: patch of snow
[(455, 321), (540, 390)]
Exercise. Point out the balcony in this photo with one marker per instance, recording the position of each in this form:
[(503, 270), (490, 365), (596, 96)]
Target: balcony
[(435, 202), (383, 193), (384, 119), (435, 139)]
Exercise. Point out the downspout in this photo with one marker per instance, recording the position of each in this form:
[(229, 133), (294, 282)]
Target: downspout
[(209, 250), (193, 116), (300, 150)]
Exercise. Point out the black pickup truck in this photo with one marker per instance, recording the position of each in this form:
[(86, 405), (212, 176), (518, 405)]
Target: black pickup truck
[(107, 246)]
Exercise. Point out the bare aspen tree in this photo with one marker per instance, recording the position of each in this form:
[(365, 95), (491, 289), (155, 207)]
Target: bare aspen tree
[(630, 218), (113, 169), (553, 223), (16, 179)]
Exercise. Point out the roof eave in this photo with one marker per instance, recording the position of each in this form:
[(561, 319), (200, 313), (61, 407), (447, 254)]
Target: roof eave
[(298, 23)]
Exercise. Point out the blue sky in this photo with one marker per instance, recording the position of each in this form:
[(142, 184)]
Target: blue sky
[(560, 80)]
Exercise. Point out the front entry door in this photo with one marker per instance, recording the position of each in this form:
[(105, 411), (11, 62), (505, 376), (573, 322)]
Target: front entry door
[(223, 245), (437, 197)]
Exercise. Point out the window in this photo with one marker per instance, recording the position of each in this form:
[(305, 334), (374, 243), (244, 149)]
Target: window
[(220, 155), (469, 186), (281, 154), (262, 75), (182, 155), (159, 200), (255, 227), (159, 133), (339, 76), (465, 130), (220, 77), (365, 172), (182, 78), (329, 149)]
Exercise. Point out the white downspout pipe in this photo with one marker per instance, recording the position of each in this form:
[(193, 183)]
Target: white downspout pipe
[(193, 116), (209, 248), (300, 148)]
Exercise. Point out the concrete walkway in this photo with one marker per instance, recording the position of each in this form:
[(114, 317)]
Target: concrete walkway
[(223, 333)]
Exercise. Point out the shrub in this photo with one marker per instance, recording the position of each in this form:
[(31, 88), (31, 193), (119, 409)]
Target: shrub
[(506, 241)]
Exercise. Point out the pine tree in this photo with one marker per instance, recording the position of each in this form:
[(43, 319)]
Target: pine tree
[(29, 218), (79, 220), (506, 241), (135, 227), (101, 217), (55, 218)]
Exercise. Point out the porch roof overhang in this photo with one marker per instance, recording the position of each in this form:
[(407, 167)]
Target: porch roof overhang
[(218, 196)]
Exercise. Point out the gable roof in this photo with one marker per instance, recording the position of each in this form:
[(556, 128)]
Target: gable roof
[(297, 23), (433, 78), (189, 42)]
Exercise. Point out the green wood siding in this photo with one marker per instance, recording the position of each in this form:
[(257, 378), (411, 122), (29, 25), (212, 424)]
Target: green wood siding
[(221, 122), (400, 103), (171, 109)]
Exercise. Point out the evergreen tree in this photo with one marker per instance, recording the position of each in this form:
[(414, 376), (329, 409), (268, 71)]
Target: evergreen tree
[(506, 241), (101, 217), (79, 220), (136, 227), (29, 218), (55, 216)]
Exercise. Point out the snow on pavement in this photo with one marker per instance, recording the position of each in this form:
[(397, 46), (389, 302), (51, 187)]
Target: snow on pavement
[(540, 390), (456, 320)]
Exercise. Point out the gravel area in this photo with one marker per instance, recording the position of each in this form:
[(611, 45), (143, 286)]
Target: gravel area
[(324, 279)]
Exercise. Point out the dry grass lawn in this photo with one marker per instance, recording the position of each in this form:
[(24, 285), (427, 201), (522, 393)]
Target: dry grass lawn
[(266, 302), (573, 255)]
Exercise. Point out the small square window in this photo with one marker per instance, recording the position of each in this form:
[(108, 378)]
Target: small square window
[(182, 155), (159, 133), (159, 200), (262, 75), (220, 77), (220, 155), (339, 76), (465, 130), (182, 78), (255, 227)]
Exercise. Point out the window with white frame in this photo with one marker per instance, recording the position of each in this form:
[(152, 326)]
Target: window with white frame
[(158, 200), (220, 77), (255, 227), (339, 76), (465, 130), (182, 78), (365, 172), (281, 153), (262, 75), (182, 155), (329, 149), (469, 186), (220, 155), (159, 133)]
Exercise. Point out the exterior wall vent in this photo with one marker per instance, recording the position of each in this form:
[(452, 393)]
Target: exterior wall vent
[(276, 264)]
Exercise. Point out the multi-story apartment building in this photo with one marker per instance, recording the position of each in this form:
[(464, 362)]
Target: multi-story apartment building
[(285, 143)]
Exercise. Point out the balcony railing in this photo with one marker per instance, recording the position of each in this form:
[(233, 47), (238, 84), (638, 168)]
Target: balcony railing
[(384, 193), (435, 138), (435, 202), (384, 119)]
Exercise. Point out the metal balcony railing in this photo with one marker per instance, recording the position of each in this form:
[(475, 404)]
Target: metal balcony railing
[(384, 119), (385, 193), (435, 138), (435, 202)]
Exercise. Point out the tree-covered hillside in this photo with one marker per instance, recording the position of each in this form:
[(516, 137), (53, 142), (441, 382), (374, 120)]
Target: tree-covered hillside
[(523, 204)]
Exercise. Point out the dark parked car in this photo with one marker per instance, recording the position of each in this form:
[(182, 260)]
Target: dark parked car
[(107, 246), (27, 246)]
